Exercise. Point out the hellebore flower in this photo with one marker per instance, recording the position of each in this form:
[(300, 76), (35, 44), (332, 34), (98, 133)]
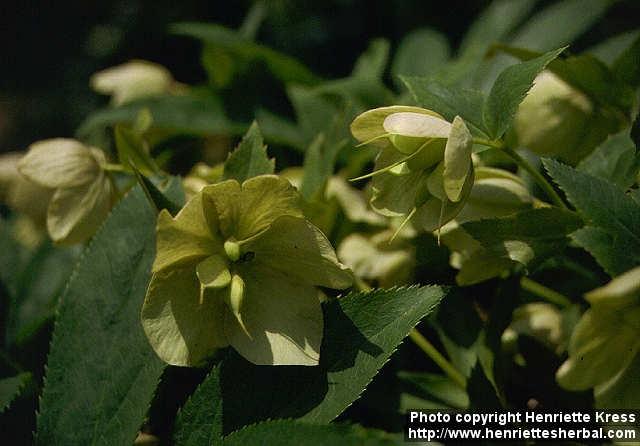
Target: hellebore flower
[(132, 80), (557, 120), (424, 169), (604, 346), (239, 265), (82, 191)]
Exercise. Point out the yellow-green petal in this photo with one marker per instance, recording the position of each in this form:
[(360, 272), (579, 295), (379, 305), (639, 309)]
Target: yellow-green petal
[(186, 237), (59, 162), (621, 291), (457, 159), (283, 320), (76, 213), (369, 125), (244, 211), (420, 125), (298, 249), (602, 344), (212, 272), (182, 330)]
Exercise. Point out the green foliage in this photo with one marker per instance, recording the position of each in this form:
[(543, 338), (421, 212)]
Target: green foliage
[(133, 152), (509, 90), (249, 159), (612, 233), (101, 371), (283, 432), (282, 66), (199, 422), (616, 160), (10, 389)]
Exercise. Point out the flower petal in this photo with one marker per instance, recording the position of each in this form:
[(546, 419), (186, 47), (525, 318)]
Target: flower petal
[(181, 330), (622, 291), (186, 237), (602, 345), (431, 215), (76, 213), (283, 320), (59, 162), (394, 192), (245, 211), (417, 125), (369, 125), (298, 249), (457, 159)]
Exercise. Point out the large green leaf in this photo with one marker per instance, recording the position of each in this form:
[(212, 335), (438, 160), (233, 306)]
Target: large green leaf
[(527, 237), (509, 90), (615, 160), (373, 62), (250, 158), (282, 66), (199, 422), (449, 101), (560, 23), (101, 370), (437, 387), (290, 432), (612, 234), (362, 330), (11, 387)]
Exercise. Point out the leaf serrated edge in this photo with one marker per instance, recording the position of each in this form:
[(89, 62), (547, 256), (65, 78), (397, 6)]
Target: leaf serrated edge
[(70, 281)]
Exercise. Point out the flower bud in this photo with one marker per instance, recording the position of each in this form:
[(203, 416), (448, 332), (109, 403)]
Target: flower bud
[(132, 80), (82, 191)]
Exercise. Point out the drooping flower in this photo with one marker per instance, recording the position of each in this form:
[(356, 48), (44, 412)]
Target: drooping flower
[(132, 80), (82, 191), (604, 346), (239, 265), (424, 169), (555, 119)]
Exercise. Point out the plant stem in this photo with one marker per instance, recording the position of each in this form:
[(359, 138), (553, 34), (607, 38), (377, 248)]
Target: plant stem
[(437, 357), (537, 176), (110, 167), (546, 293)]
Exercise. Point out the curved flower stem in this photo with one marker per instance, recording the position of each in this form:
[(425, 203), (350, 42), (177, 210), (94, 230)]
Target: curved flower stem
[(437, 357), (537, 176), (110, 167), (542, 291), (488, 143)]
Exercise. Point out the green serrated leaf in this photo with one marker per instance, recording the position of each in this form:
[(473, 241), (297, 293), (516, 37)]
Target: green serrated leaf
[(509, 90), (449, 101), (560, 23), (199, 422), (10, 388), (283, 67), (362, 330), (288, 432), (527, 237), (101, 370), (250, 158), (132, 150), (616, 160), (612, 234)]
